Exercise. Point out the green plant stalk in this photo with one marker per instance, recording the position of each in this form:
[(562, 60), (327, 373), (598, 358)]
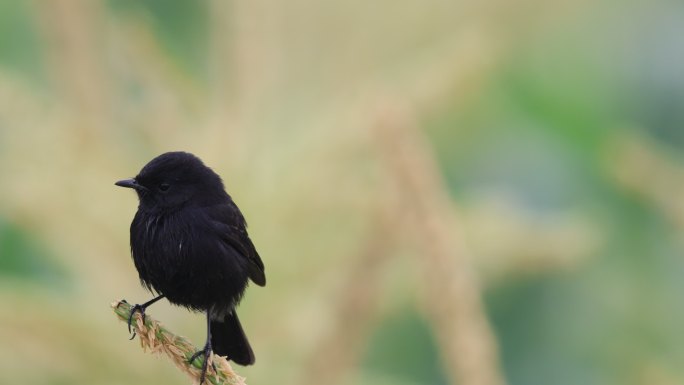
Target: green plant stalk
[(156, 338)]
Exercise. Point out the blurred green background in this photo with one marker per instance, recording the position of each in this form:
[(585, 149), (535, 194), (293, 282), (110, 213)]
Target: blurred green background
[(552, 130)]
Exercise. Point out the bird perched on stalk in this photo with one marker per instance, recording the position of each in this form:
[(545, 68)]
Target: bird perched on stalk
[(190, 245)]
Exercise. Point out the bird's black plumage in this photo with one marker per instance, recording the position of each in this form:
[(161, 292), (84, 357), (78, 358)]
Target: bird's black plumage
[(189, 243)]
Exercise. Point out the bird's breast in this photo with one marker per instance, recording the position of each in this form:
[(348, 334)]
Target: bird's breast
[(178, 255)]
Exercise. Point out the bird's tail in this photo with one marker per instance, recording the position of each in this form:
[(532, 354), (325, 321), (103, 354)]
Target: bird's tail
[(228, 339)]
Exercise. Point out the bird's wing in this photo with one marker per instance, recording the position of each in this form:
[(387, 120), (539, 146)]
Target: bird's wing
[(231, 226)]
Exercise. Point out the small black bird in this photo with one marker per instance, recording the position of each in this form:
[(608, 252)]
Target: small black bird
[(190, 245)]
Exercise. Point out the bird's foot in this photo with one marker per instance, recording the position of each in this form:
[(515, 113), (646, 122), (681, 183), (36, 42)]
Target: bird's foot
[(206, 352), (136, 308)]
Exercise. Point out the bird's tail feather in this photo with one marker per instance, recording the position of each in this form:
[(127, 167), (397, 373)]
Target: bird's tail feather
[(228, 339)]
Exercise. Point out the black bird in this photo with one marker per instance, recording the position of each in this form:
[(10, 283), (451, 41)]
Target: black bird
[(190, 245)]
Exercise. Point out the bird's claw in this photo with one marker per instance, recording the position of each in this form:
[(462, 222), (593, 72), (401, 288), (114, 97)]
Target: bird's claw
[(206, 352), (135, 308)]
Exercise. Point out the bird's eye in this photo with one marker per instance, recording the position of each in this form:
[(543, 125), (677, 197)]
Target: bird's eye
[(164, 187)]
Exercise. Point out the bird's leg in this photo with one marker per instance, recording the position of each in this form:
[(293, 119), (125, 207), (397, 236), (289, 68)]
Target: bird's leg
[(206, 351), (141, 309)]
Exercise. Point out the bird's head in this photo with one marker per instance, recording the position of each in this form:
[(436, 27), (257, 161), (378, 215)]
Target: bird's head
[(174, 179)]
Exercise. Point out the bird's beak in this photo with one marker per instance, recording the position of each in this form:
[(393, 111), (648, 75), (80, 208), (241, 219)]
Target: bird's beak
[(131, 183)]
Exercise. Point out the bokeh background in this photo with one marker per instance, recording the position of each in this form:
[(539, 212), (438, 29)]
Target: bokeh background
[(443, 191)]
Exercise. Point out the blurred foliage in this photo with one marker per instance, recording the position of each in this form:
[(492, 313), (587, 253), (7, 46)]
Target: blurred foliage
[(181, 26), (403, 347), (23, 258), (20, 46), (577, 238)]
